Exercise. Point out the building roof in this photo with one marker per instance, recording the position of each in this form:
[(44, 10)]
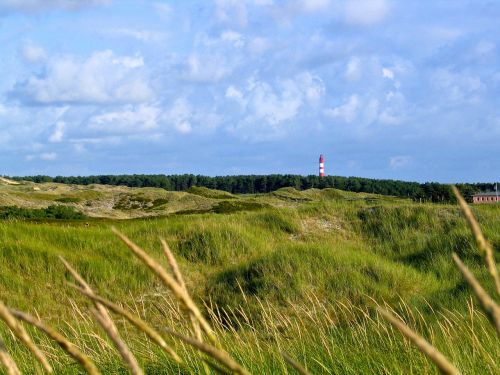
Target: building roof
[(486, 194)]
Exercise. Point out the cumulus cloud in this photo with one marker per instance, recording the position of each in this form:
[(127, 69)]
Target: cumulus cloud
[(46, 156), (387, 73), (366, 12), (456, 86), (233, 37), (347, 111), (314, 5), (353, 70), (128, 120), (101, 78), (146, 36), (267, 109), (364, 110), (207, 68), (231, 12), (33, 53), (235, 94), (258, 45), (179, 116), (58, 133)]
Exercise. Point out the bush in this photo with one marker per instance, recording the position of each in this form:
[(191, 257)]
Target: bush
[(58, 212)]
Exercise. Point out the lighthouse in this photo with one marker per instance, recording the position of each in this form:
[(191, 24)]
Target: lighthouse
[(321, 166)]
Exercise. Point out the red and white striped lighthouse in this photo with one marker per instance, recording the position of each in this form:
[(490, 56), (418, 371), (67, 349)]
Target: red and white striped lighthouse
[(321, 166)]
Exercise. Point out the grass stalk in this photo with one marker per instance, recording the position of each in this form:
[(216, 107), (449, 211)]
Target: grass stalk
[(7, 361), (217, 354), (489, 306), (64, 343), (174, 266), (170, 282), (483, 244), (442, 363), (133, 319), (296, 365), (129, 361), (22, 335), (104, 319)]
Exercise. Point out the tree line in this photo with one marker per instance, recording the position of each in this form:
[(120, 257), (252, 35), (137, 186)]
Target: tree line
[(251, 184)]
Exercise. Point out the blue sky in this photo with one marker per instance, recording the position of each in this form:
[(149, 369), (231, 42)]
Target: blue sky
[(383, 88)]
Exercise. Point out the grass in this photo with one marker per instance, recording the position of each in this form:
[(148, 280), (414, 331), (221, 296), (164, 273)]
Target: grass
[(300, 275)]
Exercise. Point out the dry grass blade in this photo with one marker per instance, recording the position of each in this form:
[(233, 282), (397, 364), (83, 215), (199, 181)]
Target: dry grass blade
[(170, 282), (445, 366), (22, 335), (130, 361), (482, 243), (180, 280), (135, 320), (69, 347), (7, 361), (104, 318), (173, 264), (297, 366), (219, 355), (489, 306)]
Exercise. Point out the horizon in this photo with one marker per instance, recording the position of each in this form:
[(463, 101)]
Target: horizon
[(384, 89), (250, 174)]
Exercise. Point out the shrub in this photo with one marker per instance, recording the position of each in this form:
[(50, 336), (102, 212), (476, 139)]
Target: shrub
[(52, 212)]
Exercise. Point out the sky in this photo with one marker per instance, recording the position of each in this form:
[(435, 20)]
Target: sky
[(406, 89)]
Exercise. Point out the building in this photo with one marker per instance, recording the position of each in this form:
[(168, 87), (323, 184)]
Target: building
[(486, 197)]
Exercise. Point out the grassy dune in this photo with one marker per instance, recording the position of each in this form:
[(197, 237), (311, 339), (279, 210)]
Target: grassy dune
[(299, 272)]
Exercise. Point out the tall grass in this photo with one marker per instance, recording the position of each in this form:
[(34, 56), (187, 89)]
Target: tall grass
[(304, 282)]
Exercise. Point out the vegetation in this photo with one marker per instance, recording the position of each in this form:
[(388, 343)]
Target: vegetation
[(253, 184), (301, 274), (51, 212)]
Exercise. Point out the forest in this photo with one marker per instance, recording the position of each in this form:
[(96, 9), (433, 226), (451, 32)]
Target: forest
[(252, 184)]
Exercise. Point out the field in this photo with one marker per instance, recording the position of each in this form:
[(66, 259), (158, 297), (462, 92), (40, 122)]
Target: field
[(299, 272)]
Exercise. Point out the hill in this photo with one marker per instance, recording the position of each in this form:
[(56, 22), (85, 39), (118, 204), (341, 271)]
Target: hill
[(294, 271)]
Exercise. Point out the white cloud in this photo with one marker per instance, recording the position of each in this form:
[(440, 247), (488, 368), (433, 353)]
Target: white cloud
[(236, 39), (58, 133), (48, 156), (164, 10), (275, 106), (231, 12), (235, 94), (180, 116), (102, 78), (353, 69), (258, 45), (364, 110), (312, 86), (456, 86), (34, 53), (129, 62), (347, 111), (207, 68), (366, 12), (282, 103), (129, 120), (266, 107), (314, 5), (399, 161), (387, 73), (145, 36)]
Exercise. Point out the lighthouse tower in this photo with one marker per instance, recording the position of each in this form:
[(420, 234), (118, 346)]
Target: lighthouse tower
[(321, 166)]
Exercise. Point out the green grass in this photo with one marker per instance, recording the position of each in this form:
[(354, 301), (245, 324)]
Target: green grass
[(300, 273)]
